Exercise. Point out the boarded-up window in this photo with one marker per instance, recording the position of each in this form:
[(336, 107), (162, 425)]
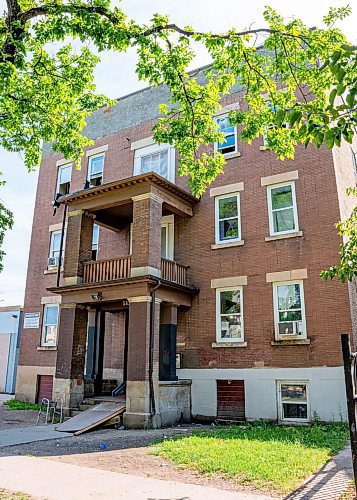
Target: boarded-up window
[(44, 387), (230, 400)]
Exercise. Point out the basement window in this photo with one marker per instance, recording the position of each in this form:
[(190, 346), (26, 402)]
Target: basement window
[(64, 179), (95, 169), (50, 325), (293, 401)]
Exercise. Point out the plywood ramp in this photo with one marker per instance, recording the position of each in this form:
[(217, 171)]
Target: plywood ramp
[(89, 419)]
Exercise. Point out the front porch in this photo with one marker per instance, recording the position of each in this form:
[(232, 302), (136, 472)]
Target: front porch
[(118, 315)]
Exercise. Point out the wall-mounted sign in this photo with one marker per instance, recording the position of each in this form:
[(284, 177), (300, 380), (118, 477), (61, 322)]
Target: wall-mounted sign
[(31, 320)]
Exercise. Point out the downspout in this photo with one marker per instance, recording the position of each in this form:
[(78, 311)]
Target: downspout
[(61, 245), (151, 348)]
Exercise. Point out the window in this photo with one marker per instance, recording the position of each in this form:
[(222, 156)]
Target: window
[(54, 253), (272, 126), (95, 169), (227, 208), (282, 209), (293, 401), (167, 237), (95, 240), (229, 131), (289, 310), (50, 325), (64, 179), (155, 158), (229, 307)]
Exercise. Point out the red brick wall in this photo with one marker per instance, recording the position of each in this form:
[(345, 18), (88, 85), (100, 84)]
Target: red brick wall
[(327, 306)]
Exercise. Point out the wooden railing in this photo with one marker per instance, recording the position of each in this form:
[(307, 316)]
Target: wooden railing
[(96, 271), (171, 271), (107, 270)]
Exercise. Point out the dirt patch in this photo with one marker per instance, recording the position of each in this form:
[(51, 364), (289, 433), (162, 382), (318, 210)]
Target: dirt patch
[(16, 418), (127, 452)]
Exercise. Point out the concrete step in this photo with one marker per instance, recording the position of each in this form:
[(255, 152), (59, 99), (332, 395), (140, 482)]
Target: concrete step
[(85, 406), (74, 411)]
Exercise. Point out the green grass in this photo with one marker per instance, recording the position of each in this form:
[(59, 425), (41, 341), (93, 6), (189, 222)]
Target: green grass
[(263, 455), (13, 404), (9, 495)]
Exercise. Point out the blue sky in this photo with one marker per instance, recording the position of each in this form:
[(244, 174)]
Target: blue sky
[(115, 76)]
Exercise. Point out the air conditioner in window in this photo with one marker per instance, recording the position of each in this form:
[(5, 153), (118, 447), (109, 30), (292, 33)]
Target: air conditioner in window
[(52, 261)]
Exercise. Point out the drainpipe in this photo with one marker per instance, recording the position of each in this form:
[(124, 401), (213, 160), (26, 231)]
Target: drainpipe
[(151, 348), (61, 245)]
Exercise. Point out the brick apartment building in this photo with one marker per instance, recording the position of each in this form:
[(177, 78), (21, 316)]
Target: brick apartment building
[(210, 307)]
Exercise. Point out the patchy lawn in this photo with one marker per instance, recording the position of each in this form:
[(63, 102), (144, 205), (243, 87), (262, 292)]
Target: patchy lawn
[(262, 455), (13, 404), (9, 495)]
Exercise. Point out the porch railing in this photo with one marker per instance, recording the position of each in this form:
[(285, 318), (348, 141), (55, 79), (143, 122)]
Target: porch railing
[(171, 271), (119, 268), (107, 270)]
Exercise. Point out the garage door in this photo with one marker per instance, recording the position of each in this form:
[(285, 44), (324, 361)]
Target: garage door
[(230, 400), (44, 387)]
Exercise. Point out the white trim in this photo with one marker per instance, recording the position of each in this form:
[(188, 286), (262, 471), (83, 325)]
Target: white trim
[(63, 161), (140, 298), (51, 299), (218, 241), (154, 149), (234, 243), (279, 178), (281, 418), (168, 223), (303, 335), (145, 271), (215, 145), (294, 274), (226, 109), (147, 196), (227, 189), (219, 339), (60, 167), (234, 281), (142, 143), (95, 151), (294, 207)]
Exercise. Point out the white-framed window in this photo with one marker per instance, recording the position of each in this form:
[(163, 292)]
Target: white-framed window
[(283, 217), (64, 179), (289, 310), (95, 169), (230, 145), (167, 237), (227, 218), (272, 126), (229, 314), (155, 158), (95, 241), (55, 244), (293, 401), (50, 325)]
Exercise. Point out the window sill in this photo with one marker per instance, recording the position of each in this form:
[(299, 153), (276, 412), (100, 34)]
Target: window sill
[(229, 344), (216, 246), (291, 342), (228, 156), (46, 348), (52, 270), (297, 234)]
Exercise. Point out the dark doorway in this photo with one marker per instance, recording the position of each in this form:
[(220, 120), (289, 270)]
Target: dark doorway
[(230, 400)]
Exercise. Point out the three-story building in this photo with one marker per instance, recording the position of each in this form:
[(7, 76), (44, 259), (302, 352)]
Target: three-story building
[(211, 307)]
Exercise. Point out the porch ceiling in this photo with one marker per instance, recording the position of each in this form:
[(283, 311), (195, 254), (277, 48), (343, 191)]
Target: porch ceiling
[(119, 194)]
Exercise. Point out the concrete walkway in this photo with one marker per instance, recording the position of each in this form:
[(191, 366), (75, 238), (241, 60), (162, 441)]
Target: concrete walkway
[(22, 435), (52, 480), (330, 481)]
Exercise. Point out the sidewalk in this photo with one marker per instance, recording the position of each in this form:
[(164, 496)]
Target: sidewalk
[(329, 482), (23, 435), (43, 478)]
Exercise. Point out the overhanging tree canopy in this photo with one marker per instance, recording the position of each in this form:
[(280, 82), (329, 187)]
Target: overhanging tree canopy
[(47, 92)]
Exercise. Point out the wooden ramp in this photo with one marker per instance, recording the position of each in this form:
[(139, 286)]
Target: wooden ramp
[(94, 417)]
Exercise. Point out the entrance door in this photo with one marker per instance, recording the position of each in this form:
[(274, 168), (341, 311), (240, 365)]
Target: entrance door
[(44, 387), (230, 400)]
